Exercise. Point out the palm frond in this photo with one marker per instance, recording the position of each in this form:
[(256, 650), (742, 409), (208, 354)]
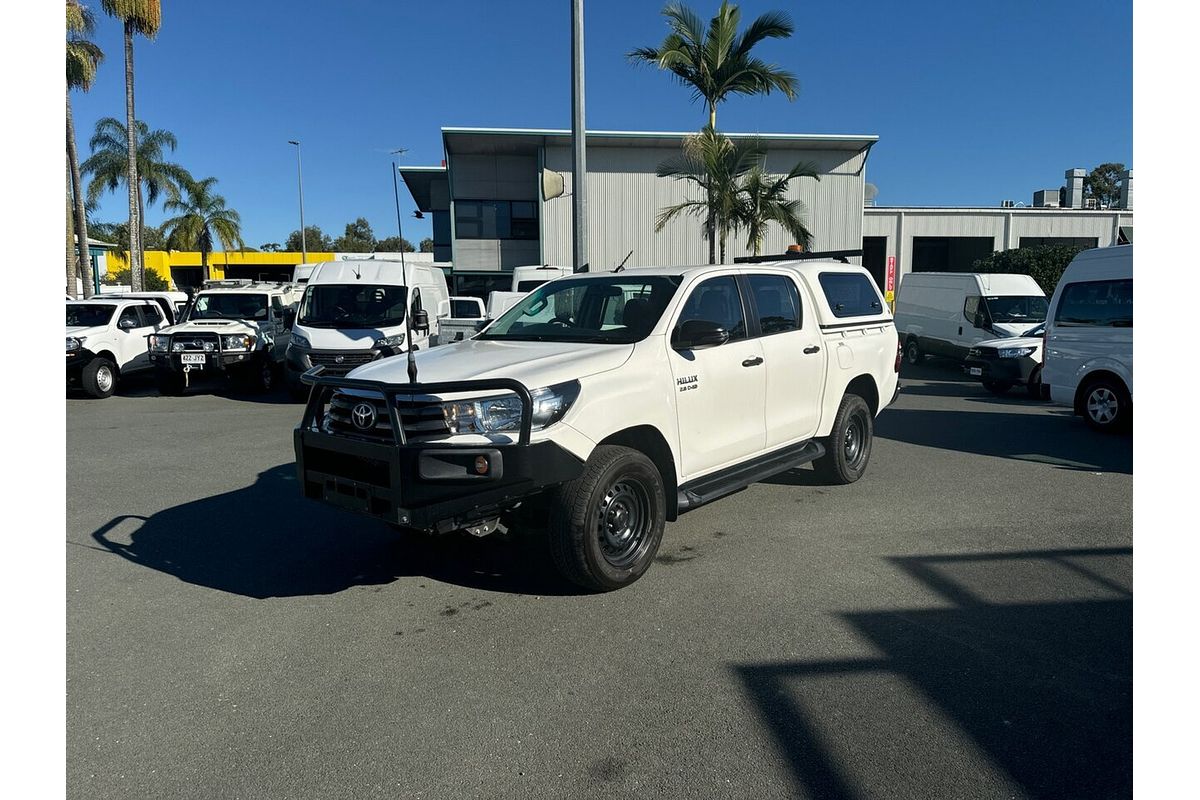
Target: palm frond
[(771, 25), (143, 16)]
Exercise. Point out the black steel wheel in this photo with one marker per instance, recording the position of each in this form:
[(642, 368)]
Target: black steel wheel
[(912, 351), (605, 526), (848, 446)]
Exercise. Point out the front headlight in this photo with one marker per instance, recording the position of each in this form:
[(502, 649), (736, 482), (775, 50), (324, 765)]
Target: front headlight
[(390, 341), (1016, 352), (75, 343), (503, 414), (159, 344), (237, 341), (300, 341)]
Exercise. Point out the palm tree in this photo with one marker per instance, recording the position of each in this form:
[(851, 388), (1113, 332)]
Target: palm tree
[(202, 213), (107, 166), (716, 62), (763, 200), (142, 17), (714, 163), (83, 57)]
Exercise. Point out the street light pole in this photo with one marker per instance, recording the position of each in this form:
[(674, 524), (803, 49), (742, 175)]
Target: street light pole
[(300, 181), (578, 140)]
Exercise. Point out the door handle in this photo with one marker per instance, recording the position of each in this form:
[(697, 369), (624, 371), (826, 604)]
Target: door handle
[(960, 330), (752, 362), (808, 351)]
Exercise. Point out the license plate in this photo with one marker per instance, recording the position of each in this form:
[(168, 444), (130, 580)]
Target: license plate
[(194, 359), (976, 371)]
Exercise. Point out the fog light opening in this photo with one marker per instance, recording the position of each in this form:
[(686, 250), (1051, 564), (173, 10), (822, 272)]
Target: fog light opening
[(481, 465)]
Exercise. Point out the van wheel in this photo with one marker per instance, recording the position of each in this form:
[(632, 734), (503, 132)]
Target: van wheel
[(912, 351), (998, 388), (99, 378), (606, 525), (1106, 405), (848, 447)]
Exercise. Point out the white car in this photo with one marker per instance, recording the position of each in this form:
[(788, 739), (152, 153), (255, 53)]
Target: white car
[(1001, 364), (1089, 338), (106, 340), (605, 404)]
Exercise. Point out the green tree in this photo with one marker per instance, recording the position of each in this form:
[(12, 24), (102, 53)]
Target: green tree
[(1104, 184), (427, 245), (317, 240), (358, 238), (158, 177), (153, 283), (716, 61), (715, 164), (394, 244), (202, 214), (270, 247), (763, 200), (118, 233), (83, 57), (142, 17), (1045, 263)]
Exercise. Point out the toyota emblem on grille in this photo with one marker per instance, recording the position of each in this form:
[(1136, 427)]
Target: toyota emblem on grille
[(363, 416), (339, 359)]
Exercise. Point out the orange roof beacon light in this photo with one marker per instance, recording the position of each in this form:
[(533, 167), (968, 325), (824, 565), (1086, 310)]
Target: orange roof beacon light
[(795, 248)]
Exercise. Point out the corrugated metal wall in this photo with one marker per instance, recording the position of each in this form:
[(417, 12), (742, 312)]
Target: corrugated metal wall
[(625, 196)]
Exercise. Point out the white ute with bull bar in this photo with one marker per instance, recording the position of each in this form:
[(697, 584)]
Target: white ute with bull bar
[(605, 404)]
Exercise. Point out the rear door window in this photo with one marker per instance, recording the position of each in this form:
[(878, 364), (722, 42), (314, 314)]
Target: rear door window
[(151, 315), (850, 294), (778, 303), (1096, 304)]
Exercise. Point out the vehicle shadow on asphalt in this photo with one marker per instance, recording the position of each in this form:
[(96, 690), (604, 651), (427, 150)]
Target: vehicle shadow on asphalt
[(265, 540), (1042, 689), (1059, 440)]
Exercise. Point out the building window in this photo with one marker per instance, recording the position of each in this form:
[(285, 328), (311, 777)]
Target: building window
[(950, 253), (495, 219), (874, 259), (1070, 241)]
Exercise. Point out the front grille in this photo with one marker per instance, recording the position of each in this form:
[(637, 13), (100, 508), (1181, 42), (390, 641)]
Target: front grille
[(422, 420), (194, 343), (983, 352), (333, 361)]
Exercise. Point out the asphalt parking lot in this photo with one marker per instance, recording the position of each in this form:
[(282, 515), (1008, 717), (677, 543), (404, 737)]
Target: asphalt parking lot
[(956, 624)]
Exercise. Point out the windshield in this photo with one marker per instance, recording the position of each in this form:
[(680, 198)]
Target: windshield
[(352, 306), (228, 305), (86, 315), (610, 310), (1032, 308)]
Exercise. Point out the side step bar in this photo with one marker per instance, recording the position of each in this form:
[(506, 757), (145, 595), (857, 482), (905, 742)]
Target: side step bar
[(711, 487)]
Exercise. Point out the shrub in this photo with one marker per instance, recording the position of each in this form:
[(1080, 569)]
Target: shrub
[(1044, 263), (153, 282)]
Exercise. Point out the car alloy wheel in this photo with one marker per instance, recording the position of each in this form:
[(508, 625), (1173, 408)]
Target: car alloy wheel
[(1103, 405)]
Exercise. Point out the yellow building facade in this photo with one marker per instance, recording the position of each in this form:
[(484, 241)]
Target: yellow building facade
[(183, 268)]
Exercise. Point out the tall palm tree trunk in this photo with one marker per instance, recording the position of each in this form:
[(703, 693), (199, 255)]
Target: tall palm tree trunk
[(71, 261), (135, 238), (84, 254), (204, 265)]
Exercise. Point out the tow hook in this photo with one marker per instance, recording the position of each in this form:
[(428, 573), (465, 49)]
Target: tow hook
[(186, 370), (486, 526)]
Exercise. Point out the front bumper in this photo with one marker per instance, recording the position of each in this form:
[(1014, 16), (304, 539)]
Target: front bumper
[(1000, 370), (76, 361), (216, 361), (428, 486)]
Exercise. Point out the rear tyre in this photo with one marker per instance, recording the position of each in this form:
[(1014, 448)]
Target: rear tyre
[(998, 388), (1106, 405), (912, 351), (848, 448), (99, 378), (605, 526)]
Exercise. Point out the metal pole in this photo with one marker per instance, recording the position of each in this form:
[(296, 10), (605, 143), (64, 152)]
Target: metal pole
[(578, 140), (300, 180)]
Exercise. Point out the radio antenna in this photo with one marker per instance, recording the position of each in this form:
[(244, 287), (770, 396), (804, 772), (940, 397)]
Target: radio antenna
[(410, 294)]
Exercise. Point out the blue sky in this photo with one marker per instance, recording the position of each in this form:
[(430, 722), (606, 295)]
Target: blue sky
[(974, 102)]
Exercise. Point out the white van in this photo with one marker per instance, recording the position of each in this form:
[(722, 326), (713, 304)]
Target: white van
[(352, 312), (1089, 338), (945, 313), (526, 279)]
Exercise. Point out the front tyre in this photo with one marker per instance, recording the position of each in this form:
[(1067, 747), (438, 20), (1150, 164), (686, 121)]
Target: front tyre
[(605, 526), (170, 383), (99, 378), (260, 376), (848, 448)]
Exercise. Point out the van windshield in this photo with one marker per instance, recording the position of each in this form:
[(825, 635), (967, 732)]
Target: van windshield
[(1030, 308), (609, 310), (333, 305)]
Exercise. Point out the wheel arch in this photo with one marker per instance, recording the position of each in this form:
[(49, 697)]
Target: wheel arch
[(107, 354), (650, 442), (865, 387)]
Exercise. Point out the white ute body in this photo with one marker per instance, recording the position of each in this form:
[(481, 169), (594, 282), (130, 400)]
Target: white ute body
[(106, 339), (712, 417)]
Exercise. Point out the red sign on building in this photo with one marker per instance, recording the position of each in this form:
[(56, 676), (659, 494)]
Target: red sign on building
[(891, 274)]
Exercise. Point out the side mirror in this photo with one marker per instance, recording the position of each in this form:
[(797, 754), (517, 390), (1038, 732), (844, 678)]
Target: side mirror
[(696, 333), (418, 315), (126, 324)]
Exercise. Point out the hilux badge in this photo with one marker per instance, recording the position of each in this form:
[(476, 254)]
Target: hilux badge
[(363, 416)]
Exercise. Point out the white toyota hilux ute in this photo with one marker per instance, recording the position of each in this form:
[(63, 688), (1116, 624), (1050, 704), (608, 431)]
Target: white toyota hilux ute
[(106, 340), (605, 404)]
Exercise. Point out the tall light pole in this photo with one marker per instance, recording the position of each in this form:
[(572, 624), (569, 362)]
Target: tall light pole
[(300, 180), (578, 140)]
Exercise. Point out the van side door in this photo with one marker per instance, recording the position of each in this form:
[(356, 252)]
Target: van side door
[(794, 359), (720, 389)]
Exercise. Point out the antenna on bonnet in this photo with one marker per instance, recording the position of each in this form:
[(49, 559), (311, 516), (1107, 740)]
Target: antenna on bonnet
[(411, 295)]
